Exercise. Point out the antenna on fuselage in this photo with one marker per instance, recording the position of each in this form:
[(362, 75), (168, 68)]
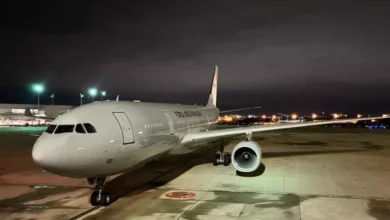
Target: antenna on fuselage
[(117, 98)]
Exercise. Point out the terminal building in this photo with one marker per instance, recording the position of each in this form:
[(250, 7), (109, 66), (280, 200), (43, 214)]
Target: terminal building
[(26, 114), (51, 111)]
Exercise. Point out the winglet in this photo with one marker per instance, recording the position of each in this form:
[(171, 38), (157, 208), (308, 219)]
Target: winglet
[(212, 102), (117, 98)]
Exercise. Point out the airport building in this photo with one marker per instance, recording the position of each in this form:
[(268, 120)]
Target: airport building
[(44, 110)]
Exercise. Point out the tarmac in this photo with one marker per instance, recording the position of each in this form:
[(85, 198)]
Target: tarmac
[(307, 175)]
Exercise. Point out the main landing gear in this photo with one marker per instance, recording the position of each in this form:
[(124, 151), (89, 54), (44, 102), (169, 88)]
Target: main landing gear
[(222, 157), (99, 196)]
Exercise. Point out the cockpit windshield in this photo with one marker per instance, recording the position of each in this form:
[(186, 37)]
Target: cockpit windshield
[(64, 129), (79, 128), (90, 128), (51, 128)]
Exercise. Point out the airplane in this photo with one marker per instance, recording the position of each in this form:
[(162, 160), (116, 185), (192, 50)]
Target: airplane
[(102, 139), (283, 118), (290, 121)]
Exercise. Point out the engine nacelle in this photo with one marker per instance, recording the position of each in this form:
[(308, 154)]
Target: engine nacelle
[(246, 156)]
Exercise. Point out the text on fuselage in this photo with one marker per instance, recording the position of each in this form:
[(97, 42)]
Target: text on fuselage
[(188, 114)]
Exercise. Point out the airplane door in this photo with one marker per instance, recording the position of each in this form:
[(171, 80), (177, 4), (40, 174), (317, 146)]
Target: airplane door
[(170, 122), (124, 124)]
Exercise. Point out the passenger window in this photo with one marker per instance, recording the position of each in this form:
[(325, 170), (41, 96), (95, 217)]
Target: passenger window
[(90, 128), (80, 128), (50, 129), (64, 129)]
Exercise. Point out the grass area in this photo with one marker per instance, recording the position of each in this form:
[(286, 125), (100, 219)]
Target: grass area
[(320, 129), (317, 143), (15, 137), (6, 130)]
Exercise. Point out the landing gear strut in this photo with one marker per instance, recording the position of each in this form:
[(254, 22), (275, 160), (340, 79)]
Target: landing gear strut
[(222, 157), (99, 196)]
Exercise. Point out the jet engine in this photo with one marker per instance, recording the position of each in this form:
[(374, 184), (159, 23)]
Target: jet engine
[(246, 156)]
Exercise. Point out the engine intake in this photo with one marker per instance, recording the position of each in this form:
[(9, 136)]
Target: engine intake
[(246, 156)]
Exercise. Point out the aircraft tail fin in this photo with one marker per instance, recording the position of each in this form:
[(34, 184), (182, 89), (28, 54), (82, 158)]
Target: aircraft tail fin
[(212, 102), (27, 112)]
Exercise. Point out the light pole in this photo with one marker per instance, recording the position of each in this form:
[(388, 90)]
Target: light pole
[(52, 99), (38, 88), (92, 92), (102, 94), (81, 99)]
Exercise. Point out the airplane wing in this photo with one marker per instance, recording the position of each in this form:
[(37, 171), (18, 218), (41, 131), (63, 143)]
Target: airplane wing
[(215, 134), (45, 118)]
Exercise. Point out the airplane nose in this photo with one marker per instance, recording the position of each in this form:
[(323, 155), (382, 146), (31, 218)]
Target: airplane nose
[(46, 152), (42, 157), (37, 155)]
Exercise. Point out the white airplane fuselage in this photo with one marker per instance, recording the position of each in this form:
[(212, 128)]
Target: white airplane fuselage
[(127, 134)]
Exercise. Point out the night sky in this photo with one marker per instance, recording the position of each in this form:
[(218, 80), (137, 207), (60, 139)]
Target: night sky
[(286, 56)]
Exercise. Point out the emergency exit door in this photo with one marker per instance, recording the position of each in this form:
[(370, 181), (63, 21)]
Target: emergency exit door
[(125, 125)]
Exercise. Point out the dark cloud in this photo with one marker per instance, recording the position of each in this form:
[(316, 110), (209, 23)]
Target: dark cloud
[(166, 50)]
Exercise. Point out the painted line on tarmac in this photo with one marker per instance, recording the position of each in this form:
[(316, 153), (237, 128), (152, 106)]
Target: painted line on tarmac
[(84, 213)]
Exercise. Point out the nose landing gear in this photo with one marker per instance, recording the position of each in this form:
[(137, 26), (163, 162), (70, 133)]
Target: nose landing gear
[(99, 196)]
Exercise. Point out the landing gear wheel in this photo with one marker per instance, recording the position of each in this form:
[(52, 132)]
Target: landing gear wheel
[(99, 197), (221, 157), (106, 199), (216, 159), (226, 159), (95, 199), (91, 181)]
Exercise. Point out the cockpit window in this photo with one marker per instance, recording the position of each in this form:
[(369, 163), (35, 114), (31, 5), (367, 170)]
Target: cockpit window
[(64, 129), (90, 128), (80, 128), (50, 129)]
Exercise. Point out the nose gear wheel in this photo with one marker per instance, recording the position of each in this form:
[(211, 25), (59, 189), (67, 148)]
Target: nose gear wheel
[(99, 196)]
